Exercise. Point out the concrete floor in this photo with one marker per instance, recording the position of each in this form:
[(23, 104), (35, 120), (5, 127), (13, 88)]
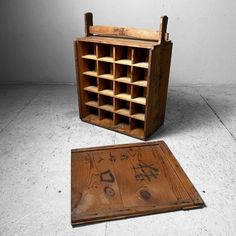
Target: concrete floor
[(39, 125)]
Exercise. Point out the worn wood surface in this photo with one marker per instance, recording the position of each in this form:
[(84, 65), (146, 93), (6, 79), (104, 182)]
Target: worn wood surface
[(125, 31), (135, 75), (88, 18), (128, 32), (120, 181), (160, 68), (163, 27), (165, 63), (119, 41), (130, 72)]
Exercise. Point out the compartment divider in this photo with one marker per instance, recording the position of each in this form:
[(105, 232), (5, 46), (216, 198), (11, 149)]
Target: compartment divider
[(96, 50), (99, 114), (114, 52), (132, 91), (132, 56), (114, 86)]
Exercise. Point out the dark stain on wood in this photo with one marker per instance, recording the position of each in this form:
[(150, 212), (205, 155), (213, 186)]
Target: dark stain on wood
[(145, 178), (109, 191), (107, 176), (145, 194)]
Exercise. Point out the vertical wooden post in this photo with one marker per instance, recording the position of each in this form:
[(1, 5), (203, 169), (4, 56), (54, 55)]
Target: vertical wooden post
[(163, 27), (88, 18)]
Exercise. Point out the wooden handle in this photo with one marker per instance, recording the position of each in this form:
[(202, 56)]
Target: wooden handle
[(88, 18), (163, 27), (144, 34)]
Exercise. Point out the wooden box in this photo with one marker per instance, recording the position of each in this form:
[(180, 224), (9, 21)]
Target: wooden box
[(122, 77), (120, 181)]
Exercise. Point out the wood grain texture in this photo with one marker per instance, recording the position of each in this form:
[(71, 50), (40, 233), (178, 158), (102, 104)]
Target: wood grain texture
[(120, 181), (127, 70), (119, 41), (165, 62), (78, 80), (158, 85), (88, 18), (163, 27), (125, 31)]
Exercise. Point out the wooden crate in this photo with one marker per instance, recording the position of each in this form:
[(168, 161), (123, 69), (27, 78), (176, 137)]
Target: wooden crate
[(120, 181), (122, 77)]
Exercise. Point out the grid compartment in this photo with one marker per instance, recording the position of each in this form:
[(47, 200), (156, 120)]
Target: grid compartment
[(91, 99), (105, 70), (140, 76), (137, 127), (106, 117), (123, 90), (91, 114), (88, 51), (123, 73), (141, 57), (139, 94), (122, 107), (138, 111), (90, 83), (122, 123), (106, 102), (89, 67), (106, 87), (123, 55), (105, 52)]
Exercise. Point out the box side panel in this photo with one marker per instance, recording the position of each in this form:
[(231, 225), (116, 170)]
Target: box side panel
[(152, 118), (166, 51), (158, 87), (80, 69), (78, 77)]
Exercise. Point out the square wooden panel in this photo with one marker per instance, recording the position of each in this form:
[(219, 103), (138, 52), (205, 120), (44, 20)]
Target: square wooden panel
[(120, 181)]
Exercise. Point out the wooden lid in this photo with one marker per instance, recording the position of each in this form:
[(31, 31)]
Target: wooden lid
[(120, 181)]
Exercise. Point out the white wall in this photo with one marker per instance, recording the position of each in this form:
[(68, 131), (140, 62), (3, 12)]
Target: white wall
[(36, 36)]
